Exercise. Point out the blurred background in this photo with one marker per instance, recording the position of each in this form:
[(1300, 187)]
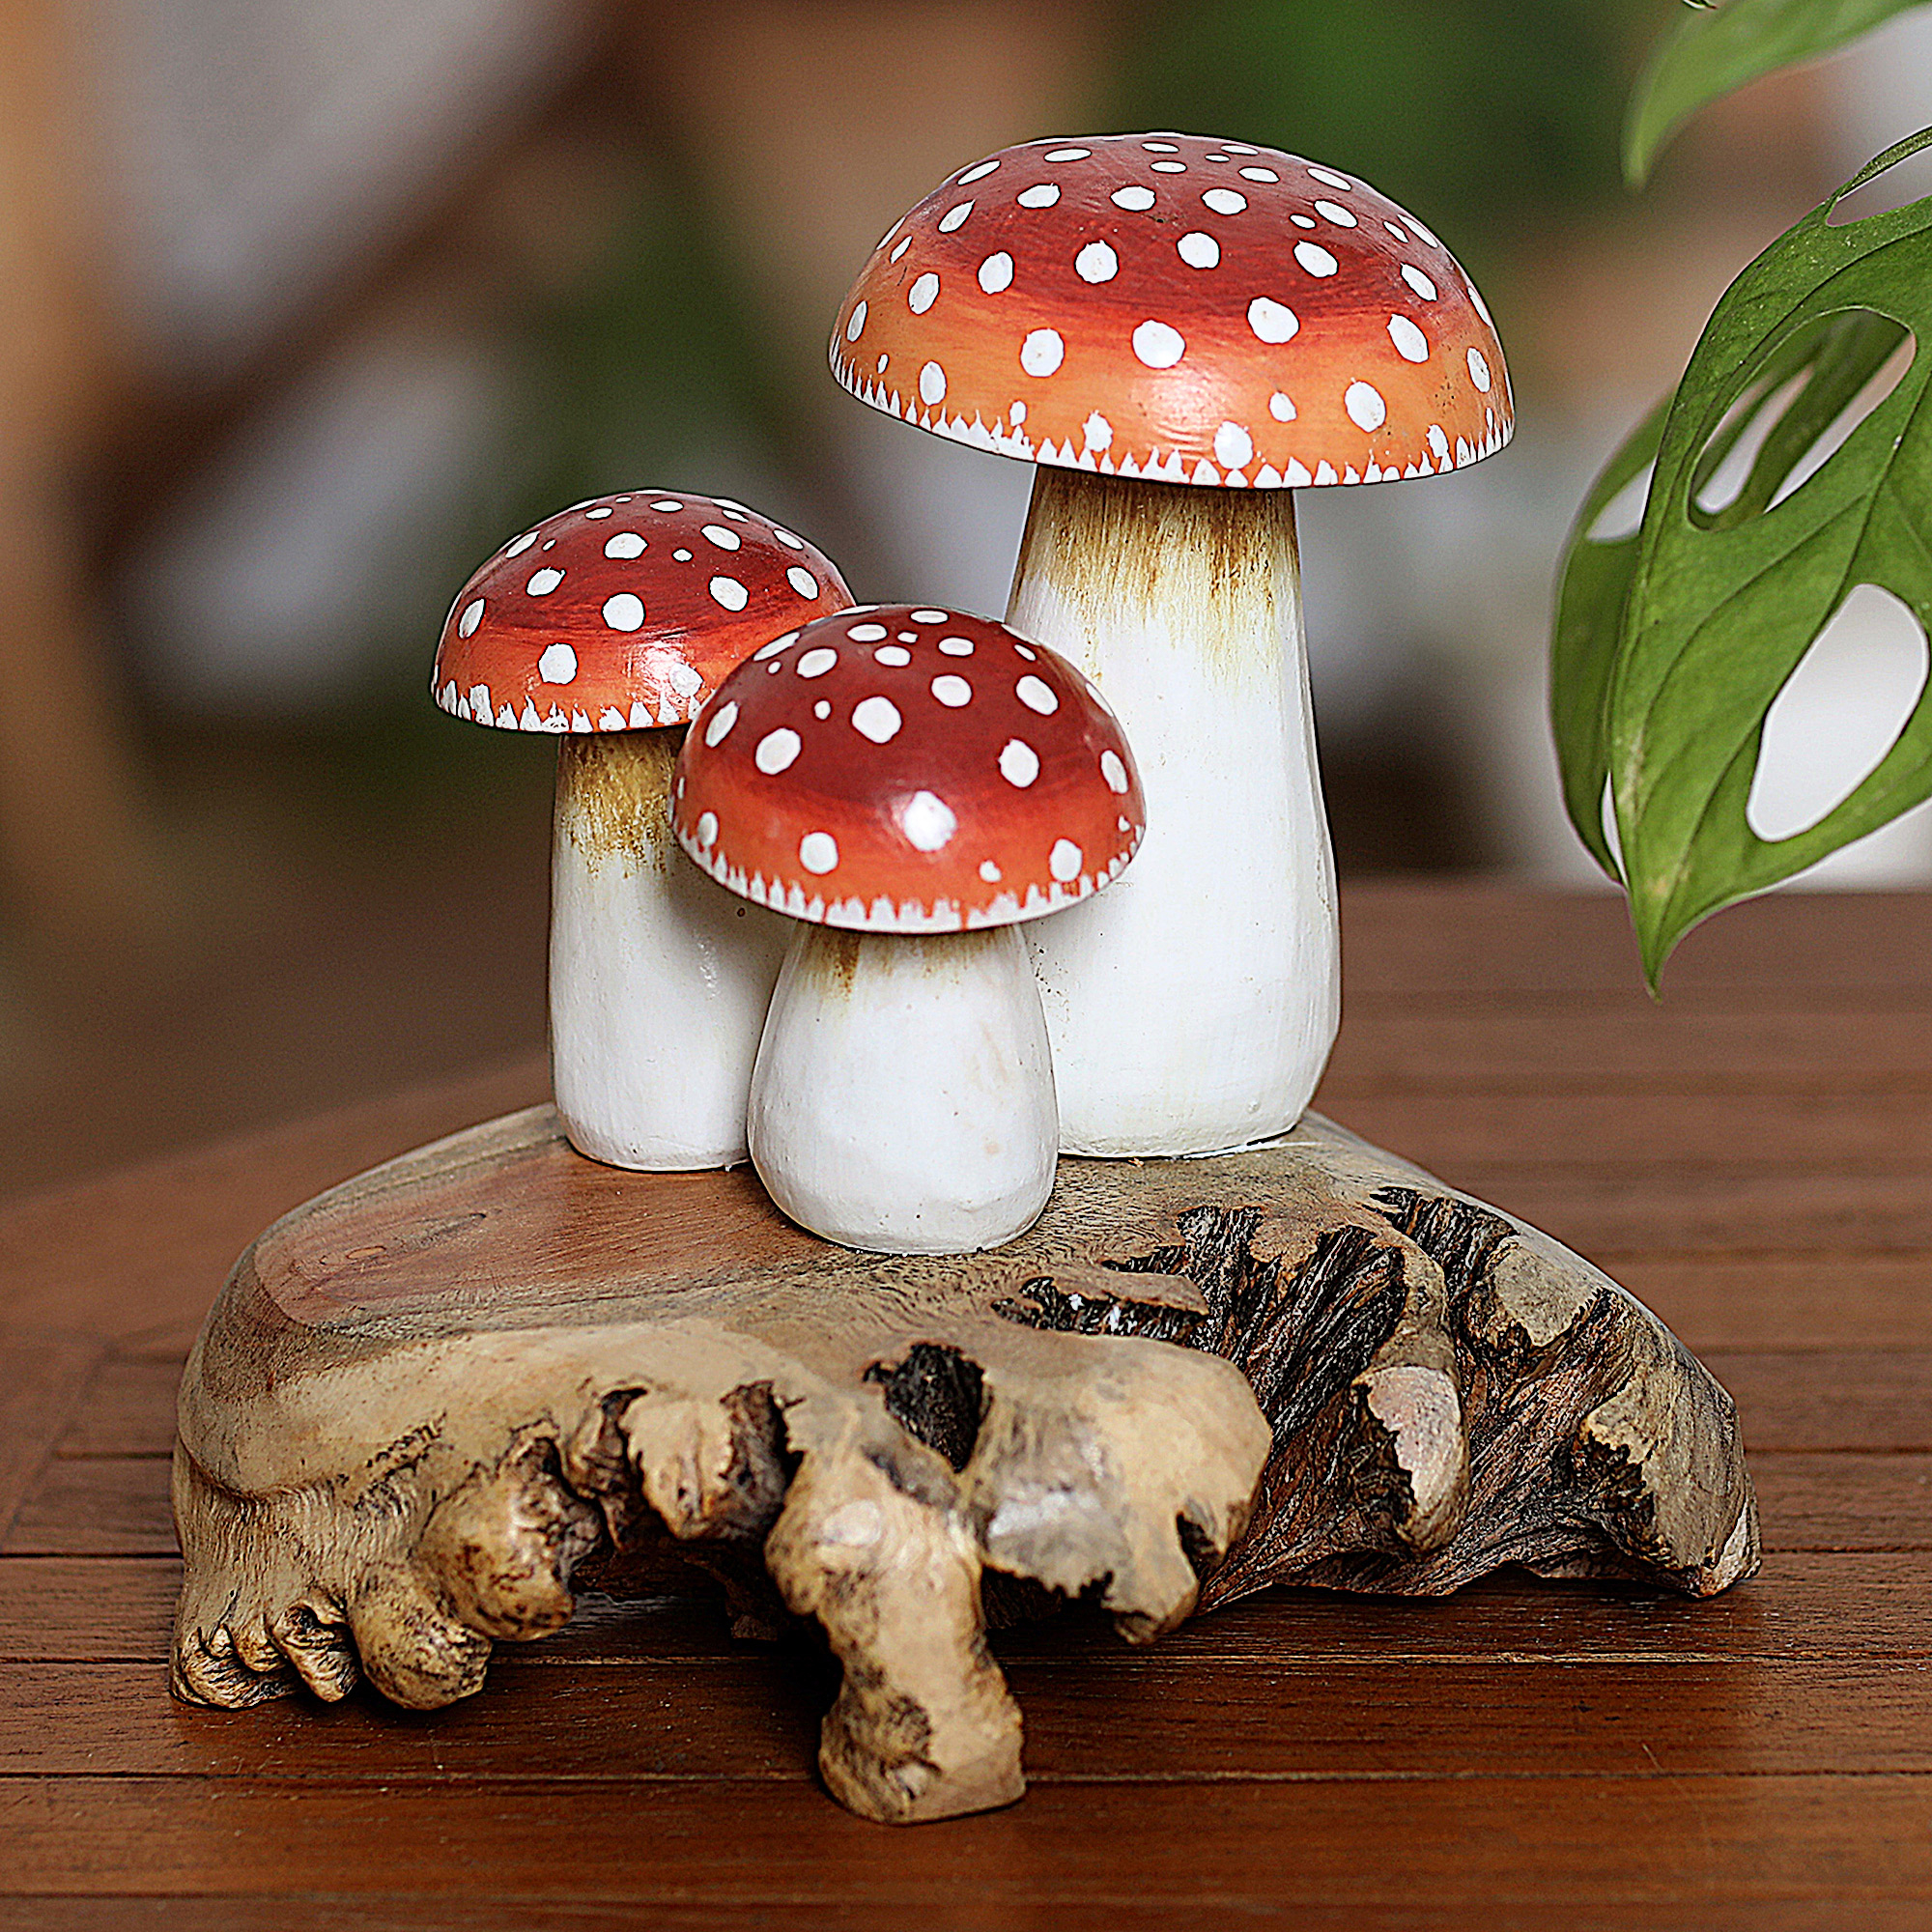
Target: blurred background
[(308, 303)]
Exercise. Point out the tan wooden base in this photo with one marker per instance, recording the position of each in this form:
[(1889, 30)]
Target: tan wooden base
[(424, 1398)]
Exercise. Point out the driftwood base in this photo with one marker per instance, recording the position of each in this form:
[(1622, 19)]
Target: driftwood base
[(425, 1397)]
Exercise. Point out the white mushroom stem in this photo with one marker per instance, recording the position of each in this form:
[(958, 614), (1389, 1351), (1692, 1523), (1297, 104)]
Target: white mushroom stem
[(659, 979), (903, 1097), (1192, 1005)]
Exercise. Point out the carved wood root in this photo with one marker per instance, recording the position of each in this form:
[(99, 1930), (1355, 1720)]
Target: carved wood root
[(426, 1397)]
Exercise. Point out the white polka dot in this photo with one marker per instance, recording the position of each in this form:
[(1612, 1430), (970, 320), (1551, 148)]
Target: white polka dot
[(1315, 259), (547, 581), (1197, 250), (1410, 344), (877, 719), (722, 722), (1260, 175), (516, 546), (1066, 155), (1225, 200), (1240, 148), (1021, 651), (1136, 200), (601, 511), (979, 172), (1019, 763), (707, 828), (684, 680), (1418, 281), (817, 663), (1037, 696), (1334, 212), (866, 634), (1161, 147), (1479, 371), (818, 852), (923, 293), (932, 384), (1168, 167), (1234, 446), (1302, 221), (908, 637), (717, 533), (953, 647), (729, 593), (667, 503), (472, 615), (624, 611), (952, 692), (1482, 307), (802, 581), (1364, 406), (1330, 176), (1096, 263), (1113, 770), (682, 555), (855, 327), (1438, 442), (1098, 432), (929, 617), (1400, 234), (1042, 352), (1281, 407), (989, 871), (996, 273), (777, 750), (927, 821), (786, 538), (1017, 413), (777, 644), (624, 545), (558, 664), (1042, 196), (1425, 234), (1272, 321), (955, 218), (1159, 346), (1064, 860), (895, 655), (905, 243), (822, 709)]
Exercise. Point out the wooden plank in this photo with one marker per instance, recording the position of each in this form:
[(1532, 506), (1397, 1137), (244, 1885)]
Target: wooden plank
[(128, 1410), (43, 1374), (1126, 1715), (1191, 1846), (1783, 1301), (1844, 1501), (1857, 1398), (96, 1506), (57, 1609)]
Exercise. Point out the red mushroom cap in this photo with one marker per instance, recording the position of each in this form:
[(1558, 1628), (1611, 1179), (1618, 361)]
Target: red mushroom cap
[(624, 612), (1170, 306), (904, 769)]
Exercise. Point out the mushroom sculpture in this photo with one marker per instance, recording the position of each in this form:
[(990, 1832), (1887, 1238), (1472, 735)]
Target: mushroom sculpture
[(908, 785), (611, 623), (1181, 331)]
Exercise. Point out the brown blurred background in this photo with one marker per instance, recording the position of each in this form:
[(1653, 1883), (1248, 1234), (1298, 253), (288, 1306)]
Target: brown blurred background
[(310, 302)]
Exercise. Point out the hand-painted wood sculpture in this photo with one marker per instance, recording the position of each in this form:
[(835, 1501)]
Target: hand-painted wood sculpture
[(426, 1399)]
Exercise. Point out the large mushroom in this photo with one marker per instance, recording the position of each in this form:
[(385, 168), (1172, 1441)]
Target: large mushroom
[(611, 623), (909, 784), (1181, 331)]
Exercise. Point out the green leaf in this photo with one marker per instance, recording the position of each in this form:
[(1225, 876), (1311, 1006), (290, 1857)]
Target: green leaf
[(1717, 49), (1719, 606)]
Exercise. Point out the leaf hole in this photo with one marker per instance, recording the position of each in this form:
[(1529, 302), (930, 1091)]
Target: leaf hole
[(1838, 714), (1899, 186), (1804, 406), (1621, 517)]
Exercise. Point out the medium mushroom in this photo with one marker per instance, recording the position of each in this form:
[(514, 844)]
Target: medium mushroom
[(909, 784), (1181, 331), (611, 623)]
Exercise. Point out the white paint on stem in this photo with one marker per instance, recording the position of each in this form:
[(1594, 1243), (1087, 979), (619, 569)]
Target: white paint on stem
[(903, 1097), (1192, 1005), (659, 977)]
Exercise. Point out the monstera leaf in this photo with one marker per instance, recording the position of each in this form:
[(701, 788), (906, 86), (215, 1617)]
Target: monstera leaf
[(1671, 644), (1718, 48)]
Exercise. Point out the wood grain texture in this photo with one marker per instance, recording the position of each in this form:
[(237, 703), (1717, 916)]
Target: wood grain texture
[(1822, 1345)]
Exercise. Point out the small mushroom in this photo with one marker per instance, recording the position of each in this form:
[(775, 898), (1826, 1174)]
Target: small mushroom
[(909, 784), (1180, 332), (611, 623)]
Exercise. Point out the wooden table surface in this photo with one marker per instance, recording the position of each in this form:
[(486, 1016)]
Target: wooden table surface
[(1754, 1157)]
